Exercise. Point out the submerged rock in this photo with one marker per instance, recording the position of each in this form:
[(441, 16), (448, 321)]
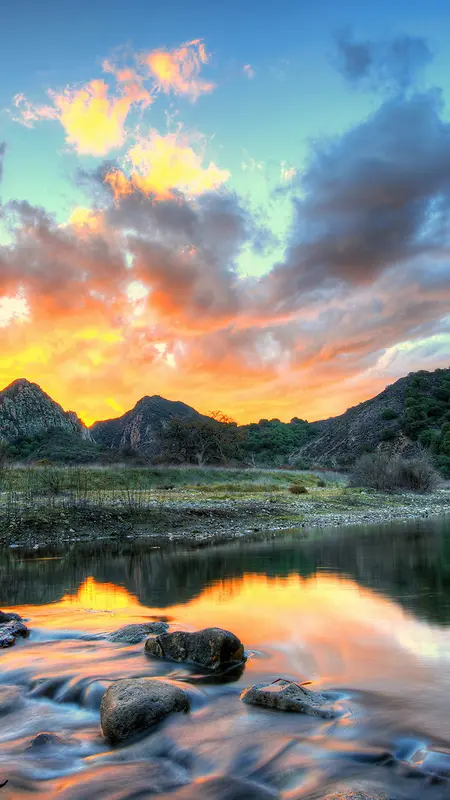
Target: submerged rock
[(213, 648), (44, 740), (225, 788), (287, 696), (11, 698), (122, 781), (10, 631), (134, 633), (134, 705), (356, 794)]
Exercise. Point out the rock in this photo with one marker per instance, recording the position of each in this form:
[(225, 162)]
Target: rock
[(44, 740), (8, 616), (10, 631), (10, 698), (134, 705), (212, 648), (225, 788), (287, 696), (132, 634)]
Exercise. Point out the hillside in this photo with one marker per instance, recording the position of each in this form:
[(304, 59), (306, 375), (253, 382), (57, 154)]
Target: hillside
[(141, 428), (27, 411), (415, 409)]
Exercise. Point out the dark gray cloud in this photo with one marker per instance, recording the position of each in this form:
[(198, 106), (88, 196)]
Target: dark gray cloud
[(375, 199), (392, 64)]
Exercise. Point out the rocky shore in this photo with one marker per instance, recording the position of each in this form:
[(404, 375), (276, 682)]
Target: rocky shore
[(199, 521)]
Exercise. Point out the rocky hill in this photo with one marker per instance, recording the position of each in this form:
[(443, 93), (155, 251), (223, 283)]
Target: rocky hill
[(27, 411), (415, 409), (140, 429)]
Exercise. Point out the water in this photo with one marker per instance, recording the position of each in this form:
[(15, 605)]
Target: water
[(365, 616)]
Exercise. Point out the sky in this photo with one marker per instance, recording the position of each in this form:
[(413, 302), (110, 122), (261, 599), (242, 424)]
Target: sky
[(244, 206)]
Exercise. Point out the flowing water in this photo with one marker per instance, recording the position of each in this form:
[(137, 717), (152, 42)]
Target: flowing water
[(363, 615)]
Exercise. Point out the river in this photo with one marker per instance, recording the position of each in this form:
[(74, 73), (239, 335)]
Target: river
[(362, 614)]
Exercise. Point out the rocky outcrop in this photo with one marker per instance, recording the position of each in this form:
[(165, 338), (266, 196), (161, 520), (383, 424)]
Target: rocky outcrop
[(341, 440), (287, 696), (135, 705), (26, 410), (141, 428), (134, 633), (212, 648)]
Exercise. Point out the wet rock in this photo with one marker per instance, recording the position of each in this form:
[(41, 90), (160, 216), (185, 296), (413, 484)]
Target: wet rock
[(132, 634), (225, 788), (10, 698), (134, 705), (44, 740), (8, 616), (212, 648), (10, 631), (287, 696)]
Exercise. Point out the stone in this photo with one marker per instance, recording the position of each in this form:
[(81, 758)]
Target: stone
[(8, 616), (44, 740), (212, 648), (134, 633), (10, 631), (134, 705), (11, 698), (225, 788), (122, 781), (287, 696), (352, 794)]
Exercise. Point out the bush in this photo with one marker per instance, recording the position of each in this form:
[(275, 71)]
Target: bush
[(389, 414), (298, 488), (388, 435), (389, 474)]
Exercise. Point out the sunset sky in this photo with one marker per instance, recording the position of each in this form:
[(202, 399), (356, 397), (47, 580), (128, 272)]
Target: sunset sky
[(241, 205)]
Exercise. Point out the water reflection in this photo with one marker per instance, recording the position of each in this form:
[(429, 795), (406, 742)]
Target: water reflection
[(362, 617)]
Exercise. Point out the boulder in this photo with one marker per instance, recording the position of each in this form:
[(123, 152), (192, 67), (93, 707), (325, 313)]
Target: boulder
[(225, 788), (135, 705), (134, 633), (212, 648), (10, 631), (8, 616), (287, 696)]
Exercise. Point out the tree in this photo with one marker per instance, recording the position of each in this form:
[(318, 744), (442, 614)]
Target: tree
[(200, 440)]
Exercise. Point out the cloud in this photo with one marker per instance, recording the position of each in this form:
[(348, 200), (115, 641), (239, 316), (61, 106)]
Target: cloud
[(391, 64), (249, 71), (177, 71), (372, 200), (158, 165)]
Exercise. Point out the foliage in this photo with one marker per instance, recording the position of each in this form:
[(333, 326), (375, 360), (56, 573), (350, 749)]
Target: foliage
[(389, 474), (426, 418), (54, 446), (389, 414), (298, 488), (213, 440), (272, 442)]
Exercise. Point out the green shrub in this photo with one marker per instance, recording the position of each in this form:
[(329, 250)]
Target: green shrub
[(298, 488), (389, 414)]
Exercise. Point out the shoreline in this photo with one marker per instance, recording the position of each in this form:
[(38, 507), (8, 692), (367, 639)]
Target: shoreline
[(212, 521)]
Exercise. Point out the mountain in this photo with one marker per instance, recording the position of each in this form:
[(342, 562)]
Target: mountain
[(140, 429), (27, 411), (414, 409)]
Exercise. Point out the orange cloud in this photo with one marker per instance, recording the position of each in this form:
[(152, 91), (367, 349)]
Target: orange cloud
[(160, 164), (93, 119), (178, 70)]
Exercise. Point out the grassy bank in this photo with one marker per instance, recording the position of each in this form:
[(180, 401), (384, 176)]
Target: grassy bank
[(43, 504)]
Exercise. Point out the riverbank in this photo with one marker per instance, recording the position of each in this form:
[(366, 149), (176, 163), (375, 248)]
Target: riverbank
[(197, 507)]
